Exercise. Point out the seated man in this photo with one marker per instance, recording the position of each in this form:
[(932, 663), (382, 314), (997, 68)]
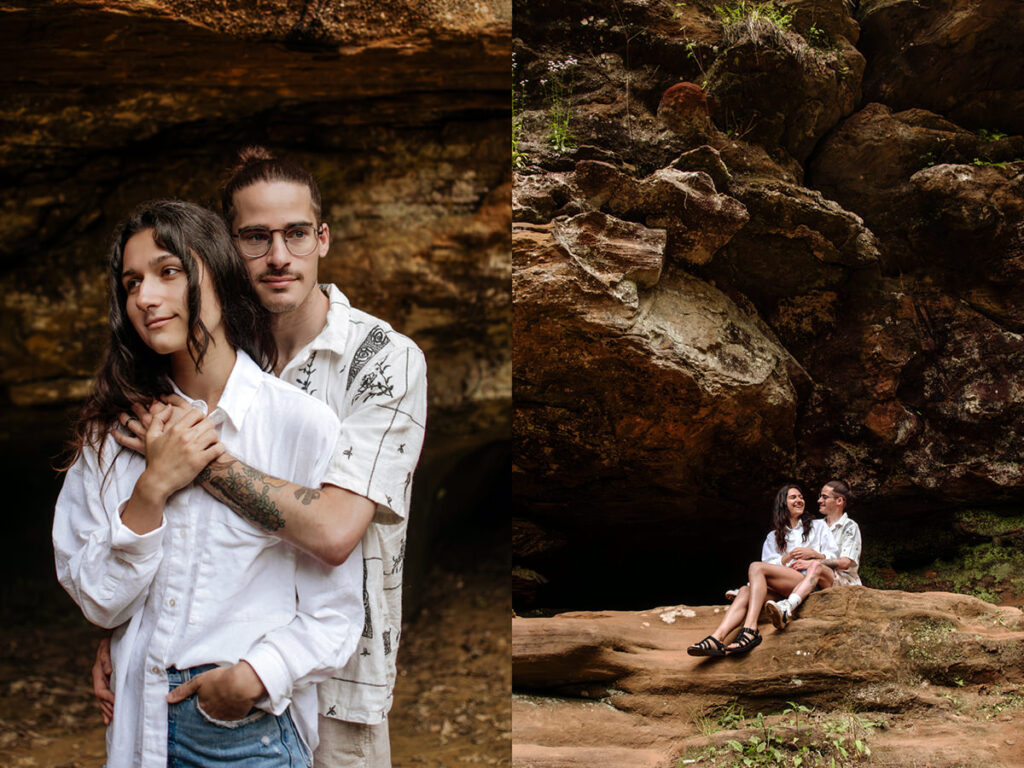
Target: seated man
[(832, 503)]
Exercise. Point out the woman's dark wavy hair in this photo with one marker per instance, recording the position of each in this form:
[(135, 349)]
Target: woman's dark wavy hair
[(780, 516), (131, 372)]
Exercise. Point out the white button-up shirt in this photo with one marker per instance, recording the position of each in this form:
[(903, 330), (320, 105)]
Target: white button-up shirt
[(208, 587), (847, 535), (375, 380), (819, 539)]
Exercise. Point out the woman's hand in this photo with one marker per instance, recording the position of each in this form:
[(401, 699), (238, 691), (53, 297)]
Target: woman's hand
[(225, 693), (180, 442), (805, 553)]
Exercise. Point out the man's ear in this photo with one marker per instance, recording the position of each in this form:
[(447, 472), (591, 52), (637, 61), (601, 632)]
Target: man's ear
[(325, 239)]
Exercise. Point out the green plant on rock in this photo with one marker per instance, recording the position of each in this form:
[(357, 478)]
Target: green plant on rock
[(820, 741), (764, 22), (1002, 702), (986, 135), (981, 163), (519, 158), (559, 84), (818, 37)]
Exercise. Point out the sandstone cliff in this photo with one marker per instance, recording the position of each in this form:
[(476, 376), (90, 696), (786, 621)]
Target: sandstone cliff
[(400, 111), (805, 264)]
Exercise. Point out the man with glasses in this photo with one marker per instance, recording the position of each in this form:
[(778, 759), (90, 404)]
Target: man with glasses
[(375, 381), (833, 502)]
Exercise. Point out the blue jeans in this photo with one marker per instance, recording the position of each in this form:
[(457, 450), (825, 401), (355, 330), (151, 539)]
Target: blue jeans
[(258, 740)]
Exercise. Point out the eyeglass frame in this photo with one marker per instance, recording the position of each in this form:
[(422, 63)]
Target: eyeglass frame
[(318, 230)]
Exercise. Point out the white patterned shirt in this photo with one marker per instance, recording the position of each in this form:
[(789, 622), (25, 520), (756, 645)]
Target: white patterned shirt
[(207, 586), (819, 539), (847, 534), (374, 379)]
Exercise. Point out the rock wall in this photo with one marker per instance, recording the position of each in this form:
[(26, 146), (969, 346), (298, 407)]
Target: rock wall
[(803, 265), (401, 112)]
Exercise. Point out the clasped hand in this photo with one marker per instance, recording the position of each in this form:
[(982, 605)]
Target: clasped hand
[(177, 440), (225, 693)]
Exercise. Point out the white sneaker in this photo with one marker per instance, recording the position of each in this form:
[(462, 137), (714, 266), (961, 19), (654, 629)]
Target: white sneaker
[(778, 612), (731, 594)]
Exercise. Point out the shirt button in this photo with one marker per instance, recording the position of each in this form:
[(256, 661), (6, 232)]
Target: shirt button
[(171, 602), (155, 670)]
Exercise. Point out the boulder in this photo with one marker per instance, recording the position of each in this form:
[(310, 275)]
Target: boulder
[(959, 58), (867, 162), (644, 387), (697, 219)]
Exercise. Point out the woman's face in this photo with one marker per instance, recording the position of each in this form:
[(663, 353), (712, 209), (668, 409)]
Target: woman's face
[(794, 502), (157, 295)]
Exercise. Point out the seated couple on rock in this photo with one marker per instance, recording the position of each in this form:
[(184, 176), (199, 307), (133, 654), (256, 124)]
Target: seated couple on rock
[(802, 553)]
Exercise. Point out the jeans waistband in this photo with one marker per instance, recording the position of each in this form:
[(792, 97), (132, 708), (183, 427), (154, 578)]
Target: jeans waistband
[(177, 676)]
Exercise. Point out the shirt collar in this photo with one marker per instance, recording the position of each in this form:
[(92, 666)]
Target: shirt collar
[(335, 333), (239, 392), (840, 522)]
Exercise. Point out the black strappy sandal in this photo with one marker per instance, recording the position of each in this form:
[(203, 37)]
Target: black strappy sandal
[(747, 640), (709, 646)]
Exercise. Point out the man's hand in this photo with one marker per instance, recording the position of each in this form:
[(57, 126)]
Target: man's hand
[(225, 693), (101, 671), (802, 565)]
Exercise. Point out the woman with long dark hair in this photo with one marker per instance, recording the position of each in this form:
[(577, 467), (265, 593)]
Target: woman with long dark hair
[(795, 531), (220, 629)]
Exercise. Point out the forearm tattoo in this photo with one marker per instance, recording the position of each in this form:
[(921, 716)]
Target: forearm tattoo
[(307, 495), (239, 491)]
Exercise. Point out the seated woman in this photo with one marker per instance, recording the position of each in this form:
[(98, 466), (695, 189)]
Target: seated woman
[(833, 502), (776, 574), (221, 629)]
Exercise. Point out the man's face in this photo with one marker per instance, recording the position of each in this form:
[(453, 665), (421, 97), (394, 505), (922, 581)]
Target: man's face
[(157, 295), (828, 502), (283, 282)]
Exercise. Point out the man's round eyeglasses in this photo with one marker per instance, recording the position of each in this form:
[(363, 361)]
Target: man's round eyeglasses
[(300, 241)]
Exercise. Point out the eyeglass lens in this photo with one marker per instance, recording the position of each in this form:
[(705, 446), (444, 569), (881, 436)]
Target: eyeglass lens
[(257, 241)]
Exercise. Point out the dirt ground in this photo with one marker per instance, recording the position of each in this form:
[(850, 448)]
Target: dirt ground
[(452, 703)]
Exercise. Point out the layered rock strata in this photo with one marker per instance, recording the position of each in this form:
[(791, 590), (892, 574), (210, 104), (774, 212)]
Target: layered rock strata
[(401, 113), (839, 293)]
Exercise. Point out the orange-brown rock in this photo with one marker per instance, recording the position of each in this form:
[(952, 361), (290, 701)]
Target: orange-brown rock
[(399, 110), (876, 244), (623, 682), (684, 108)]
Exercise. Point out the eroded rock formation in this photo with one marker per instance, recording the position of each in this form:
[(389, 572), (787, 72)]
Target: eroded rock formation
[(840, 290), (618, 688), (400, 111)]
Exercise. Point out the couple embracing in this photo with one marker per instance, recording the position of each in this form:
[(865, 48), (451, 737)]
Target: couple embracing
[(801, 553), (235, 508)]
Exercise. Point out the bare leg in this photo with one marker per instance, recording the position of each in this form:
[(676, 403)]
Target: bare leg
[(818, 574), (733, 616), (765, 576)]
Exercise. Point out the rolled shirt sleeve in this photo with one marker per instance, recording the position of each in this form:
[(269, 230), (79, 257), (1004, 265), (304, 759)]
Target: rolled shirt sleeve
[(382, 434), (850, 542)]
